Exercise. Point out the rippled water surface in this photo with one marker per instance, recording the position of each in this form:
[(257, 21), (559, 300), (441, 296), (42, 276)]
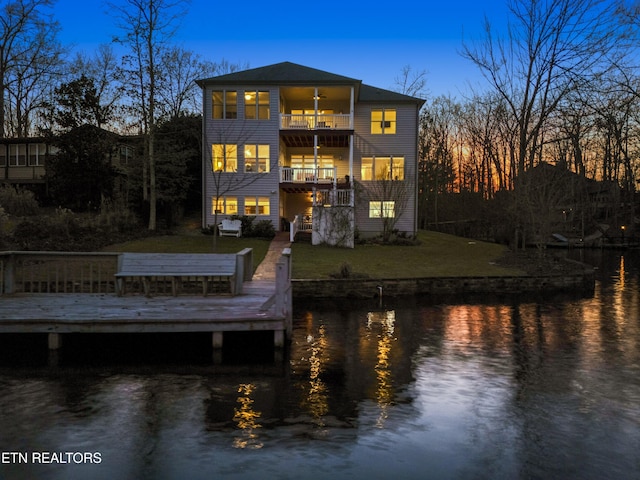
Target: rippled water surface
[(463, 389)]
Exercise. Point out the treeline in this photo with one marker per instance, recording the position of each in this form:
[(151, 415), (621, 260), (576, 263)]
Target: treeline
[(560, 86)]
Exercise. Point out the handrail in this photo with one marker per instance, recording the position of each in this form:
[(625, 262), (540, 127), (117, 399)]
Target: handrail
[(308, 175), (57, 272), (312, 121)]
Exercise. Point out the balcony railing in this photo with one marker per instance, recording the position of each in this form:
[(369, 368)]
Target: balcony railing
[(299, 121), (308, 175), (336, 198)]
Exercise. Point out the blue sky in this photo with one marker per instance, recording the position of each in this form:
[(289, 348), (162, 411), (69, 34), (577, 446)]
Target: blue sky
[(384, 37)]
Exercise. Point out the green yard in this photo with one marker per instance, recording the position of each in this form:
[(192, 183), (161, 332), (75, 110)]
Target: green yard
[(438, 255)]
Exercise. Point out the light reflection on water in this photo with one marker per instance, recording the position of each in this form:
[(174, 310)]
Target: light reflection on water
[(478, 388)]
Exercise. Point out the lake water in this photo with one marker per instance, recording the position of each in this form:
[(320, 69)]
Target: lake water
[(467, 388)]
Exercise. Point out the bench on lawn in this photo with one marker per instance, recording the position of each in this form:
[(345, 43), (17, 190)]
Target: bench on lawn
[(230, 228), (176, 266)]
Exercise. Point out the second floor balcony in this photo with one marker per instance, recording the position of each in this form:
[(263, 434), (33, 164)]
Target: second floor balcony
[(312, 175), (313, 121)]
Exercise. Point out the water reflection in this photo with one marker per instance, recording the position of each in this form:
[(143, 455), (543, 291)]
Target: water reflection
[(246, 418), (385, 394), (479, 388)]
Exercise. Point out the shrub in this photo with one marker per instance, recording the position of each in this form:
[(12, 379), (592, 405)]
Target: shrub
[(263, 229), (18, 201), (67, 231)]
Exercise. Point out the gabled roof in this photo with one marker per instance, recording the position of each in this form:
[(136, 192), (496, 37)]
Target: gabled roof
[(290, 74), (285, 73), (380, 95)]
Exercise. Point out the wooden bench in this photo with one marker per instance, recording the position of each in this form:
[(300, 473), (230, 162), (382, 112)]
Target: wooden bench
[(177, 266), (230, 228)]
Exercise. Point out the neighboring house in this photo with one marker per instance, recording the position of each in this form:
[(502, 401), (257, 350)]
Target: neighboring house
[(309, 149), (23, 160)]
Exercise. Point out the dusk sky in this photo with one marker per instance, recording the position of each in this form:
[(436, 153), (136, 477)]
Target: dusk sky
[(383, 38)]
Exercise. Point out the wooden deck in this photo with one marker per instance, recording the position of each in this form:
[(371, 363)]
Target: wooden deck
[(263, 304), (64, 313)]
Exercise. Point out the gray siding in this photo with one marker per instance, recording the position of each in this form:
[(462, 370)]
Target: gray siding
[(241, 132), (403, 142)]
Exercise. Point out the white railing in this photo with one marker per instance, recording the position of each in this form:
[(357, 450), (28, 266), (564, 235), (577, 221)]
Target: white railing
[(308, 175), (300, 223), (338, 198), (310, 121)]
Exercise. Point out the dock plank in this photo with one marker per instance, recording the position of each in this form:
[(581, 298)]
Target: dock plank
[(111, 313)]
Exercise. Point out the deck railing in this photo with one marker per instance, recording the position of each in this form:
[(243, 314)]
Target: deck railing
[(83, 272), (308, 175), (310, 121), (57, 272), (336, 197)]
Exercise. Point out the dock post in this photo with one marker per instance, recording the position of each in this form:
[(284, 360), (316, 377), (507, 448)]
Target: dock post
[(278, 338), (216, 341), (55, 341)]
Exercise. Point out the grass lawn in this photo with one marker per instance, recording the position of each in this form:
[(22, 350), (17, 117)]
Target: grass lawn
[(438, 255)]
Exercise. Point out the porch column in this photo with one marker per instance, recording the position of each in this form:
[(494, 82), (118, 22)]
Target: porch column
[(351, 108), (315, 158), (350, 160)]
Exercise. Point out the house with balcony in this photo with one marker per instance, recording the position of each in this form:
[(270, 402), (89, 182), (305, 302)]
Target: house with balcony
[(311, 151)]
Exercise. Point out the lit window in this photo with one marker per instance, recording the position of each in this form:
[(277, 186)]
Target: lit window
[(382, 209), (382, 168), (256, 105), (383, 121), (225, 205), (256, 158), (224, 157), (225, 104), (256, 206)]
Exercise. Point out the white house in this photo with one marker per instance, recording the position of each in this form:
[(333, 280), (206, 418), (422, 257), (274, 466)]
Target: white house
[(309, 150)]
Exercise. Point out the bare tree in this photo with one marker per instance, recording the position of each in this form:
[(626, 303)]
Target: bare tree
[(28, 51), (147, 26), (389, 197), (411, 82), (102, 68), (550, 45), (228, 172)]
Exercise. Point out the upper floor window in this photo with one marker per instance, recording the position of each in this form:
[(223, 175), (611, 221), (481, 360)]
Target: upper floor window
[(37, 153), (224, 157), (3, 155), (383, 121), (225, 104), (382, 168), (256, 158), (256, 105), (18, 155)]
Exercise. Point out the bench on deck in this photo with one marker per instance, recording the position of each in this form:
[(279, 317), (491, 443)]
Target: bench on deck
[(230, 228), (177, 266)]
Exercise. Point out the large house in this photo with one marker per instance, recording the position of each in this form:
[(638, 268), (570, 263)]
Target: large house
[(309, 150)]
